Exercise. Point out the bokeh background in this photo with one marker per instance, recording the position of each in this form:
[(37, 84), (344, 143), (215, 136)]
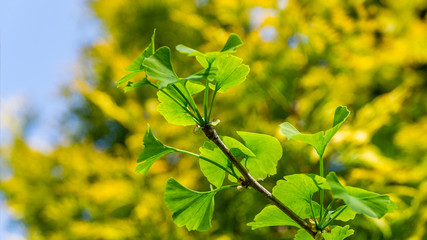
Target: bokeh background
[(67, 160)]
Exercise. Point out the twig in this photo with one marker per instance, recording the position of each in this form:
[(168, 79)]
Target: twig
[(211, 133)]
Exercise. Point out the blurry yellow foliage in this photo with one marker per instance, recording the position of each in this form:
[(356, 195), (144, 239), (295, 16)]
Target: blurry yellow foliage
[(306, 58)]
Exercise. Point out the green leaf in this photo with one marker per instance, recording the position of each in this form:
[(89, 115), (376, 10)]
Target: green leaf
[(272, 216), (159, 67), (153, 150), (347, 215), (132, 85), (232, 43), (303, 235), (191, 208), (359, 200), (136, 65), (203, 74), (236, 147), (230, 72), (172, 111), (296, 192), (214, 174), (267, 150), (127, 77), (189, 51), (321, 139), (338, 233)]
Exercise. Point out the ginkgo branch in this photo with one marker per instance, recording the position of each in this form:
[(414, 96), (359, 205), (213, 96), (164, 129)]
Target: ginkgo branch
[(212, 135)]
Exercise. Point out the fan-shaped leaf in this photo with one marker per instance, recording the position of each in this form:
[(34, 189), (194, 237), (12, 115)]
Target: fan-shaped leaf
[(360, 200), (191, 208), (153, 150), (321, 139)]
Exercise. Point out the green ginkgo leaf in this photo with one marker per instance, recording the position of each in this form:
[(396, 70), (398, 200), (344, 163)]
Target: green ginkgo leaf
[(190, 208), (208, 73), (153, 150), (173, 112), (303, 235), (170, 109), (127, 77), (131, 85), (232, 43), (187, 50), (267, 150), (346, 215), (205, 59), (295, 192), (360, 200), (214, 174), (338, 233), (159, 67), (272, 216), (136, 65), (321, 139), (230, 72)]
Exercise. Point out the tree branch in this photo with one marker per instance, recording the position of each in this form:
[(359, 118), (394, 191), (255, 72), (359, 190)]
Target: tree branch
[(211, 133)]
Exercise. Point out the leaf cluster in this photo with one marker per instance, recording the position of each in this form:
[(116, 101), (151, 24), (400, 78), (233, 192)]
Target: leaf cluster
[(258, 153)]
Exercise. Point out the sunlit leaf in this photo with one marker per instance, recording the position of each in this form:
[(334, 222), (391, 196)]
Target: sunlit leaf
[(230, 72), (338, 233), (214, 174), (190, 208), (321, 139), (296, 192), (272, 216), (236, 147), (204, 74), (232, 43), (267, 150), (359, 200), (153, 150), (159, 67), (303, 235), (172, 111), (346, 215), (136, 65), (132, 85), (127, 77), (189, 51)]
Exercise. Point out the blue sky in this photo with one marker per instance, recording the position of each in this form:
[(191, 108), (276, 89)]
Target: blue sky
[(40, 44)]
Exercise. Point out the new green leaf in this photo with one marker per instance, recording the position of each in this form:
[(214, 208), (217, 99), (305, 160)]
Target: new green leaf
[(230, 72), (172, 111), (272, 216), (191, 208), (321, 139), (296, 192), (153, 150), (136, 65), (267, 150), (360, 200), (338, 233), (214, 174), (232, 43), (132, 85), (127, 77), (159, 67)]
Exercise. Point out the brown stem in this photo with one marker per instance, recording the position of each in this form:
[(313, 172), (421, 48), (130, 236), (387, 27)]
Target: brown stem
[(211, 133)]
